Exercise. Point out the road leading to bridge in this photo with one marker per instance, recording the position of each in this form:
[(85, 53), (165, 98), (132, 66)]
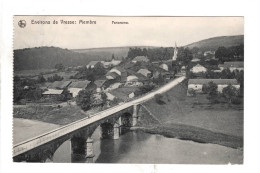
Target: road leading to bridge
[(54, 134)]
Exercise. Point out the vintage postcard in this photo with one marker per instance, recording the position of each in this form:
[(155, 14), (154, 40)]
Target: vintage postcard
[(138, 90)]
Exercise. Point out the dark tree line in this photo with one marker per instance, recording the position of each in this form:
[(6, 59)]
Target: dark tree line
[(55, 78), (90, 74), (185, 55), (27, 89), (234, 53)]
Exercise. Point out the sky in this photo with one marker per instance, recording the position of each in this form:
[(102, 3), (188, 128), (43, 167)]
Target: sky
[(140, 31)]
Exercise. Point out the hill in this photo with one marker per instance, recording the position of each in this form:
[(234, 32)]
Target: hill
[(48, 57), (215, 42), (118, 52)]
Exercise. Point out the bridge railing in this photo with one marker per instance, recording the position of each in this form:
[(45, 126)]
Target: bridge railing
[(66, 129), (49, 136)]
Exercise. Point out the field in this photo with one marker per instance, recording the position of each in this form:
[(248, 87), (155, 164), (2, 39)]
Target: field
[(52, 114), (196, 119), (46, 73), (31, 73)]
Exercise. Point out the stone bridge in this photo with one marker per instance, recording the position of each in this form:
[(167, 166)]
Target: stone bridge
[(113, 122)]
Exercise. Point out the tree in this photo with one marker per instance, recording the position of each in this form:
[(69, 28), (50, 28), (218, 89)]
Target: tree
[(144, 89), (211, 90), (83, 99), (54, 78), (33, 94), (191, 92), (59, 67), (41, 79), (159, 81), (240, 79), (227, 74), (212, 75), (195, 50), (87, 99), (222, 54), (185, 55), (230, 93)]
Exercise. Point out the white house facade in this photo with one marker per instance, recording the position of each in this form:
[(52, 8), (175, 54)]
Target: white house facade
[(164, 66), (197, 84), (198, 69)]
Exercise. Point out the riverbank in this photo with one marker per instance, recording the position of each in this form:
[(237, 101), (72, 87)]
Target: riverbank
[(195, 134)]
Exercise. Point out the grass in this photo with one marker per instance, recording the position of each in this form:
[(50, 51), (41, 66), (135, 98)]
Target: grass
[(195, 118), (49, 114)]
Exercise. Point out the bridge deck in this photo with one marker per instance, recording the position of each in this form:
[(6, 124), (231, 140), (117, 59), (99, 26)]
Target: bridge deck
[(52, 135)]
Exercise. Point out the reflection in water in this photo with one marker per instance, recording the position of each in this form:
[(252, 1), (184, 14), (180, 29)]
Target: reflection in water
[(138, 147)]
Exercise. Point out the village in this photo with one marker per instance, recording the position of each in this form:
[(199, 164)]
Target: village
[(117, 81)]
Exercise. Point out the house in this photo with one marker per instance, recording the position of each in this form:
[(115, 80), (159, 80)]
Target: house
[(52, 92), (142, 79), (132, 80), (128, 65), (167, 75), (112, 75), (106, 64), (198, 69), (195, 60), (59, 85), (164, 66), (99, 84), (110, 97), (197, 84), (221, 67), (140, 59), (114, 86), (234, 65), (94, 64), (145, 72), (121, 72), (118, 70), (183, 69), (124, 93), (114, 62), (111, 63), (76, 86), (207, 53)]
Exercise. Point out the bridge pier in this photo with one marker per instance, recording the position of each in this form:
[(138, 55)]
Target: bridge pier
[(117, 128), (82, 147), (135, 115)]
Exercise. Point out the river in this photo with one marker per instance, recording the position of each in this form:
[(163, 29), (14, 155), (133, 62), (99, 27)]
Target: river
[(140, 147)]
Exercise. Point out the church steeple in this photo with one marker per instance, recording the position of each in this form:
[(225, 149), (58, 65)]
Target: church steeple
[(175, 53)]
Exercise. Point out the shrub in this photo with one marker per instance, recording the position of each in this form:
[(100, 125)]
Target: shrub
[(191, 92), (158, 99), (236, 100), (144, 89), (230, 93)]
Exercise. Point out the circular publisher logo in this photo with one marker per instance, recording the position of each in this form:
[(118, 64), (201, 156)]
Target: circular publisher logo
[(22, 23)]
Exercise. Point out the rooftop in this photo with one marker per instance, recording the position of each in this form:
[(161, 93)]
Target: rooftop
[(234, 64), (79, 84), (123, 93), (93, 63), (52, 92), (216, 81), (59, 84), (99, 83)]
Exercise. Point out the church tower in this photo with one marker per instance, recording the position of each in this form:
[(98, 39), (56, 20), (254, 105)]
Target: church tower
[(175, 53)]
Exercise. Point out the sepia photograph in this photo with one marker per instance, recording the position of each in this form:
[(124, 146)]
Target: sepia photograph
[(150, 90)]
